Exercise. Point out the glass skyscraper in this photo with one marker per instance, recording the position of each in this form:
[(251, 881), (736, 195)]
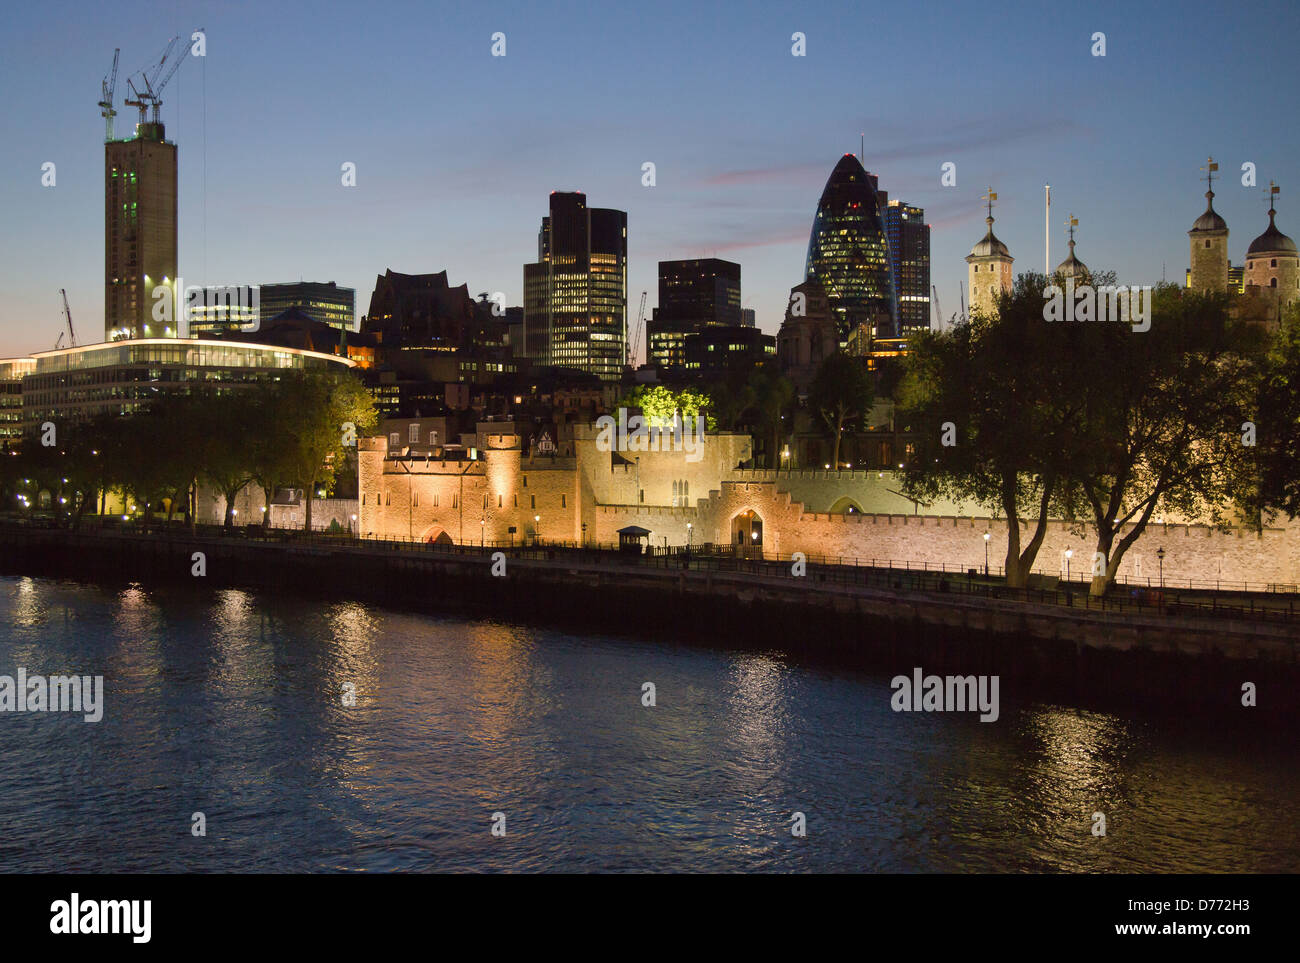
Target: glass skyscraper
[(909, 258), (575, 296), (849, 253)]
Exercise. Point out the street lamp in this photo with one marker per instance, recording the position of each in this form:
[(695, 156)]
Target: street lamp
[(1160, 554), (986, 553), (537, 528), (689, 526), (1069, 554)]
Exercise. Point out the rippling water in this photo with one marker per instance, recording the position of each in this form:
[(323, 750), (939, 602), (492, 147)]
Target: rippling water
[(229, 703)]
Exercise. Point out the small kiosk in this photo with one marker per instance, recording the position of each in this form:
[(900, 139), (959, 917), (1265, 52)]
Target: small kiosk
[(630, 539)]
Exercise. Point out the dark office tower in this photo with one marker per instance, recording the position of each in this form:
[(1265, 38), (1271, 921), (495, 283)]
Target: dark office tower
[(909, 260), (139, 232), (321, 301), (848, 252), (692, 295), (575, 296)]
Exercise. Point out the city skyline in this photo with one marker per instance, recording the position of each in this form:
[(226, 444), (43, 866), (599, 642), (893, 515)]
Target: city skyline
[(740, 184)]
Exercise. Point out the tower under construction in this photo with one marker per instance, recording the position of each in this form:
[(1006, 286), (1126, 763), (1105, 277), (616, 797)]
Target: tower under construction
[(140, 225)]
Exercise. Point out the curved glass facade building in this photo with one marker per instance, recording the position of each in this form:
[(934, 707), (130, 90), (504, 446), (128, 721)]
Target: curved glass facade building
[(848, 251)]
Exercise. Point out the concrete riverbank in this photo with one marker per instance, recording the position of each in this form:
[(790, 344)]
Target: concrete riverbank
[(1193, 659)]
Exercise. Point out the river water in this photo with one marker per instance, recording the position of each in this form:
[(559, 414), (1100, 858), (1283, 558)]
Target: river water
[(232, 704)]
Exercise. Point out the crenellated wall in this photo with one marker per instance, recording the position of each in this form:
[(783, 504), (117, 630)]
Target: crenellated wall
[(424, 498)]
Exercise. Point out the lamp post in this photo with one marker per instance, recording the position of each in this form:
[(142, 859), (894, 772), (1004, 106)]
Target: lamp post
[(1069, 554), (537, 529), (1160, 554), (351, 523), (689, 526), (986, 554)]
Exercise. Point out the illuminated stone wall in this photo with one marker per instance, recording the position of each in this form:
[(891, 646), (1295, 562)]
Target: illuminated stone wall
[(468, 500)]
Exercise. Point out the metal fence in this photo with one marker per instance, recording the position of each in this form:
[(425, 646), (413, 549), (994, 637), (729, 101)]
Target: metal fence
[(1266, 603)]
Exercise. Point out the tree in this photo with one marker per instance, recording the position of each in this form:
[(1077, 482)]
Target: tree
[(1159, 428), (1269, 475), (659, 404), (225, 421), (270, 446), (992, 411), (841, 394), (769, 396), (318, 406)]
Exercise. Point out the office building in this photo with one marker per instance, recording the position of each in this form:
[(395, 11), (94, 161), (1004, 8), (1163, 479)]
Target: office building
[(575, 295), (848, 252), (693, 295), (909, 259), (321, 301)]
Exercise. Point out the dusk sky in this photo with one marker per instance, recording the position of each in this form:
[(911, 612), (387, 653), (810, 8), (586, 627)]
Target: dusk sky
[(457, 150)]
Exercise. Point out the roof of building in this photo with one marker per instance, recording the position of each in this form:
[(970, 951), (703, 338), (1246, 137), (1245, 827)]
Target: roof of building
[(1210, 220), (1072, 267), (1272, 241), (989, 245)]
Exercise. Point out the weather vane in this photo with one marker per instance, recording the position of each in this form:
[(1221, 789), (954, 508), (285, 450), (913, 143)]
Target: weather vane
[(991, 196), (1209, 168)]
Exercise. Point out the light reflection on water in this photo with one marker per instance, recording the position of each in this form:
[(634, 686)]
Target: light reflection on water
[(232, 704)]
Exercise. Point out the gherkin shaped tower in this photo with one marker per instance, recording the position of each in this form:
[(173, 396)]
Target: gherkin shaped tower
[(848, 251)]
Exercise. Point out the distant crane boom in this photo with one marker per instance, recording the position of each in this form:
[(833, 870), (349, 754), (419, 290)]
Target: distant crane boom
[(153, 87), (67, 313), (636, 338), (107, 88)]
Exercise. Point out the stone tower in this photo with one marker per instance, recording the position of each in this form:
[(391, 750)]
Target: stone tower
[(1209, 243), (989, 270), (1272, 261)]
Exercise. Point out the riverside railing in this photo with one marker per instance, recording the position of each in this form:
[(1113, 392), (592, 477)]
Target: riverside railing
[(1255, 601)]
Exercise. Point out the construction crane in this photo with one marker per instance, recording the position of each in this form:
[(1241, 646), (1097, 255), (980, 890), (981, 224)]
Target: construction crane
[(153, 87), (106, 89), (636, 338), (67, 313)]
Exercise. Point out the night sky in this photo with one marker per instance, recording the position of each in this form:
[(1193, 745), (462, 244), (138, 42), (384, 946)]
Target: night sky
[(457, 150)]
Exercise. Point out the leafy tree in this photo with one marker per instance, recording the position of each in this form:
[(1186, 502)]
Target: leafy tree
[(1269, 474), (769, 395), (225, 422), (317, 406), (270, 447), (991, 406), (841, 395), (1160, 422), (659, 403)]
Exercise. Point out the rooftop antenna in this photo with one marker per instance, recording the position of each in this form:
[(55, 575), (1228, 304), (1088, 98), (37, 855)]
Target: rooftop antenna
[(862, 148)]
